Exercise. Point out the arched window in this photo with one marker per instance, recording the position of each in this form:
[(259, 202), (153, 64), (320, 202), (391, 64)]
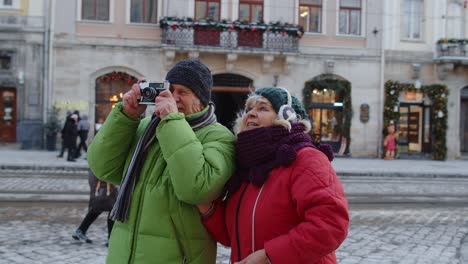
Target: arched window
[(109, 90)]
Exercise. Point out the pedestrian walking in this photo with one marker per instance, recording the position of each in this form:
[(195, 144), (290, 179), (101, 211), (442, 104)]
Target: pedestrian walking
[(83, 129), (102, 197), (62, 149), (166, 164), (285, 203), (70, 133)]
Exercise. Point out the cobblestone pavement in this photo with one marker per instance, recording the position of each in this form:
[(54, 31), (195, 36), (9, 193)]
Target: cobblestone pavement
[(41, 233)]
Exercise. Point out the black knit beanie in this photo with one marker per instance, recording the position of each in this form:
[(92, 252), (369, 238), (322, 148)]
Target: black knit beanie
[(279, 97), (195, 75)]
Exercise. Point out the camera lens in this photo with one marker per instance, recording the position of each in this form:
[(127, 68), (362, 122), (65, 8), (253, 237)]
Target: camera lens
[(149, 93)]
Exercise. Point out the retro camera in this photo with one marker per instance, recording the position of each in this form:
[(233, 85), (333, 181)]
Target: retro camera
[(149, 91)]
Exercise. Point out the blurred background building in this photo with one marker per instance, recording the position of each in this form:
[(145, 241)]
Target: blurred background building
[(342, 62)]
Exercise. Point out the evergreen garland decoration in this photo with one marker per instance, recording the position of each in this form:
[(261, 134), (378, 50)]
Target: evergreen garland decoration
[(331, 82), (438, 94), (226, 25), (116, 76)]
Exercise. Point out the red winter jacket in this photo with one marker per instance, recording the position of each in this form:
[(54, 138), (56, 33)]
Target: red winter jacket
[(301, 214)]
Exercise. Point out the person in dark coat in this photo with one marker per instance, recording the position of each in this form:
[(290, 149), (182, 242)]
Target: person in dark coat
[(62, 150), (102, 197), (284, 203), (83, 129), (70, 134)]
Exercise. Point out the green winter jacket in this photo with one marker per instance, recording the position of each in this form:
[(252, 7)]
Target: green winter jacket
[(182, 168)]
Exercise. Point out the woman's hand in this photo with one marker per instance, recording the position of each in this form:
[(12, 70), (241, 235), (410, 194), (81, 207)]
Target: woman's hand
[(130, 101), (258, 257), (204, 208)]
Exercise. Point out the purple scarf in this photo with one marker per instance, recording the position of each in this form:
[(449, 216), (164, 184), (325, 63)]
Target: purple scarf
[(260, 150)]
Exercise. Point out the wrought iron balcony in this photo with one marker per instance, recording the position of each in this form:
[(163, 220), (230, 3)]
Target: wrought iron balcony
[(227, 35), (452, 51), (229, 39)]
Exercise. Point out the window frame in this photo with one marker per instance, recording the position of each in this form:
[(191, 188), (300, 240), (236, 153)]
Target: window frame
[(350, 9), (309, 6), (129, 12), (79, 13), (403, 34), (15, 4), (207, 8), (252, 3), (451, 19)]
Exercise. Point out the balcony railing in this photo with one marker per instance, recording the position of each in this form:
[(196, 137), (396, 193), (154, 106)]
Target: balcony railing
[(266, 41), (21, 22), (453, 50), (227, 35)]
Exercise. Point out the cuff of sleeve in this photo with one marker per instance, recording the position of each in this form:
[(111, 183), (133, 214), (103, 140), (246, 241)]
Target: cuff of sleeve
[(173, 116), (119, 113)]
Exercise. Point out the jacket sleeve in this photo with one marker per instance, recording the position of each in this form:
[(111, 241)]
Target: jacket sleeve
[(198, 167), (110, 148), (321, 203), (216, 224)]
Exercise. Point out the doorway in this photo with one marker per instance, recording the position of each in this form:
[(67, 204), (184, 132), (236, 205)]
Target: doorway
[(415, 127), (229, 94), (327, 124), (464, 121), (7, 115)]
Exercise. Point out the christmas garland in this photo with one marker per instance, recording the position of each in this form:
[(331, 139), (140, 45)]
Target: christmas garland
[(226, 25), (116, 76), (331, 82), (438, 94)]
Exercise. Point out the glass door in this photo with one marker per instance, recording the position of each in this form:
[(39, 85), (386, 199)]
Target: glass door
[(327, 125), (414, 128), (7, 115)]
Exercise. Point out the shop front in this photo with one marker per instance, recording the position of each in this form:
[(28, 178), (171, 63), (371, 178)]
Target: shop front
[(110, 89), (328, 101), (420, 116)]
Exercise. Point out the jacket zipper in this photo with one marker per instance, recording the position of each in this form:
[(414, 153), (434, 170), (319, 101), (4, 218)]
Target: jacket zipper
[(237, 222)]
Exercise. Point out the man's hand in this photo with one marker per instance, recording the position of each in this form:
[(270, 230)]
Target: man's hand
[(165, 104), (258, 257), (130, 102)]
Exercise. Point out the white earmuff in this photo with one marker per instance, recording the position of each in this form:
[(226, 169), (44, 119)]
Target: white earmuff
[(286, 112)]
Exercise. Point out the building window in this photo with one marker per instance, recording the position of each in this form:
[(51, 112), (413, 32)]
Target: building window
[(144, 11), (455, 20), (9, 4), (95, 10), (5, 62), (350, 17), (412, 19), (251, 10), (207, 9), (310, 15)]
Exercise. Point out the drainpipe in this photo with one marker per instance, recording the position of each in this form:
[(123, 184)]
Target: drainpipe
[(45, 61), (382, 90)]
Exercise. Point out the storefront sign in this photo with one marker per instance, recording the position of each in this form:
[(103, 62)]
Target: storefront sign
[(364, 113)]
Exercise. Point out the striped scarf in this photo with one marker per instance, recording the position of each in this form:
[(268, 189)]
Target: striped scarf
[(121, 208)]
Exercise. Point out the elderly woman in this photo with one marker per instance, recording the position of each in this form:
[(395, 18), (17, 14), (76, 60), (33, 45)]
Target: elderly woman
[(285, 203)]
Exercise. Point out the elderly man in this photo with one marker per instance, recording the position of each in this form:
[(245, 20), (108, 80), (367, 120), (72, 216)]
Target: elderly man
[(165, 165)]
